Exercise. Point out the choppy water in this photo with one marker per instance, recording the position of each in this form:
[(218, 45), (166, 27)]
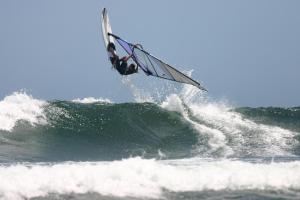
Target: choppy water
[(182, 147)]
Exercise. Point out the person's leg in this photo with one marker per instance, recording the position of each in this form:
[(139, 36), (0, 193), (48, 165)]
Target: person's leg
[(131, 69), (123, 67), (134, 68)]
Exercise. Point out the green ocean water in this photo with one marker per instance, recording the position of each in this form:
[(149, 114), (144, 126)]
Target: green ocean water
[(175, 149)]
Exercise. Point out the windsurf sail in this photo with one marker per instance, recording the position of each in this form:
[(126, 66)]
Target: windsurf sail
[(106, 28), (152, 65)]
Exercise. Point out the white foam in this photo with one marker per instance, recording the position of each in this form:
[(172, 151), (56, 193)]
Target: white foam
[(244, 133), (217, 140), (20, 106), (89, 100), (228, 132), (173, 103), (221, 124), (139, 95), (136, 177)]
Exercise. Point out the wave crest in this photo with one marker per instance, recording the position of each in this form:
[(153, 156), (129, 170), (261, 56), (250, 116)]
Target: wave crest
[(21, 106)]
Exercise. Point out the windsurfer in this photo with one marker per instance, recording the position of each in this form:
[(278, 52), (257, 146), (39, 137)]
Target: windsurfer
[(120, 65)]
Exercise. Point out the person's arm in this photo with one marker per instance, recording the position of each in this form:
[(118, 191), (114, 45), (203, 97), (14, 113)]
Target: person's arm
[(126, 58), (113, 53)]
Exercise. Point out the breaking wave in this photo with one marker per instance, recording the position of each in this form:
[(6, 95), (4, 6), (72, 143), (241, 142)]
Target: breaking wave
[(182, 125), (20, 106), (137, 177), (177, 143)]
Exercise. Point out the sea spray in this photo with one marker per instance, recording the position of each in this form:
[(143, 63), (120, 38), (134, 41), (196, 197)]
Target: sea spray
[(145, 178), (228, 132), (184, 146), (228, 129), (21, 106), (89, 100)]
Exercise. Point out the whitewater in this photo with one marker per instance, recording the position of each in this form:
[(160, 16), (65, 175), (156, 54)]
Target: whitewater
[(180, 145)]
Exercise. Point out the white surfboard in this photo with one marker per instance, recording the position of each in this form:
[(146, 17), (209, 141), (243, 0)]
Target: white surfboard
[(106, 28)]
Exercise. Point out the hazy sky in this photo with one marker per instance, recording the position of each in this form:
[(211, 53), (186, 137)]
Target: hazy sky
[(247, 51)]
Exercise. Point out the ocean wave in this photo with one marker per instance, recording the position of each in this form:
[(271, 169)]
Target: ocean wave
[(184, 124), (21, 106), (89, 100), (137, 177), (229, 132)]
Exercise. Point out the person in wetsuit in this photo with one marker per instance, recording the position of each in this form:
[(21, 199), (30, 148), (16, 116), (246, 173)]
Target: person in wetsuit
[(120, 65)]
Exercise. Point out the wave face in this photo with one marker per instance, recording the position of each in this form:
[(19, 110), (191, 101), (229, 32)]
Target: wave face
[(182, 146), (288, 118), (178, 127)]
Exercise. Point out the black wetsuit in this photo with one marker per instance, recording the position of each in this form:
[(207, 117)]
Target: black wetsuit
[(123, 68), (120, 64)]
